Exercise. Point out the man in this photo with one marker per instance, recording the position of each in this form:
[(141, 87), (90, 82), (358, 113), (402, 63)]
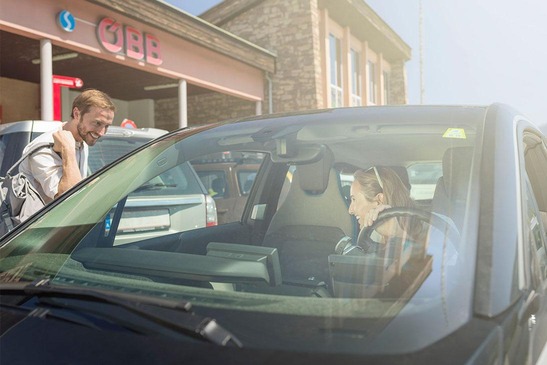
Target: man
[(52, 171)]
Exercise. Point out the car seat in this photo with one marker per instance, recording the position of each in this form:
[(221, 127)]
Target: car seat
[(451, 191), (218, 185), (312, 219), (402, 172)]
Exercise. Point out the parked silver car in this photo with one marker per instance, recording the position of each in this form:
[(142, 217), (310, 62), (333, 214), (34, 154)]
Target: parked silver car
[(180, 201)]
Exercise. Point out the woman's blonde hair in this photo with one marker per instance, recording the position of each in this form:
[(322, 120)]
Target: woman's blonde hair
[(384, 180)]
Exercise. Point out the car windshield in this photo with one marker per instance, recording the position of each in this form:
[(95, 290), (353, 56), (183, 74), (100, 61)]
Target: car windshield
[(177, 181), (108, 149), (293, 257)]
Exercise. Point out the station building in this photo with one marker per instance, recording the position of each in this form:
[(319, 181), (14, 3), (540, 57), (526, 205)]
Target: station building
[(167, 69)]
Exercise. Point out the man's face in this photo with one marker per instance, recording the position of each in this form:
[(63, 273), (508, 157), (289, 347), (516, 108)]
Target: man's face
[(94, 124)]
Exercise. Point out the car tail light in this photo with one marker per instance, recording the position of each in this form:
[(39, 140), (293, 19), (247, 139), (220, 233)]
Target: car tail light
[(210, 212)]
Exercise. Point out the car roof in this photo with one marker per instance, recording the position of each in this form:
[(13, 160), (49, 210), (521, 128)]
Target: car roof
[(342, 130), (41, 126), (116, 131), (28, 126)]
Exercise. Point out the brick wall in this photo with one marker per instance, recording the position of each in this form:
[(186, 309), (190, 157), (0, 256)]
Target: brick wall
[(291, 29), (297, 82), (215, 107), (202, 109), (397, 85), (295, 39)]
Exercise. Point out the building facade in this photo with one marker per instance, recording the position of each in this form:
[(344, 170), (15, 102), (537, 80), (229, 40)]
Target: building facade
[(330, 53), (167, 69)]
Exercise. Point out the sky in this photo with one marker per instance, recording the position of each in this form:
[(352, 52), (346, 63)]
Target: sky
[(473, 52)]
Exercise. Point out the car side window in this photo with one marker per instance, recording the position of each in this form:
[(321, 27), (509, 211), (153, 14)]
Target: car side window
[(286, 186), (535, 203), (2, 149), (245, 180), (215, 182), (536, 244), (346, 179), (423, 179), (14, 143), (171, 202)]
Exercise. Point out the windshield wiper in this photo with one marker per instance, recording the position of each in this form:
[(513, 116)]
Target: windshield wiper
[(203, 328)]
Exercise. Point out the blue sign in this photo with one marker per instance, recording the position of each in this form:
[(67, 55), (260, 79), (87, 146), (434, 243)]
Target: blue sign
[(107, 225), (66, 21)]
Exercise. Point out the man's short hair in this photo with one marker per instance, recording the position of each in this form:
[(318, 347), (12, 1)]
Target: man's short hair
[(90, 98)]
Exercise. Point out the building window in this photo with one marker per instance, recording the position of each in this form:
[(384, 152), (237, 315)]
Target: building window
[(355, 78), (387, 90), (335, 71), (371, 82)]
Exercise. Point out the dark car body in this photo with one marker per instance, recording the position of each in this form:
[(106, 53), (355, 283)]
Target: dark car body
[(288, 282)]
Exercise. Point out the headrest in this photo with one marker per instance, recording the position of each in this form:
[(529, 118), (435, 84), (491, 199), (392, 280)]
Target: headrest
[(314, 177), (402, 172), (218, 185), (457, 168)]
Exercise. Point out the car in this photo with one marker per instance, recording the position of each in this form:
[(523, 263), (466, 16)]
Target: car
[(184, 206), (228, 179), (15, 136), (293, 280), (119, 141)]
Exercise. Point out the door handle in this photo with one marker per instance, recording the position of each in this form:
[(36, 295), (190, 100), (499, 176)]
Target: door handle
[(529, 310)]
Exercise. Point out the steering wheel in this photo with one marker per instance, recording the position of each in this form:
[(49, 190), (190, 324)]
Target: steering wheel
[(442, 223)]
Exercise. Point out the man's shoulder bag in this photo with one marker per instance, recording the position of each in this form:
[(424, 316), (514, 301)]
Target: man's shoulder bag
[(18, 198)]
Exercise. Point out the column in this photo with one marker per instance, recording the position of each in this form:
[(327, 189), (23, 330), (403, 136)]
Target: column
[(364, 74), (183, 104), (380, 78), (46, 79), (325, 62), (346, 67)]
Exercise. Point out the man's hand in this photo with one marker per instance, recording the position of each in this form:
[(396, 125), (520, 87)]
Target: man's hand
[(63, 142)]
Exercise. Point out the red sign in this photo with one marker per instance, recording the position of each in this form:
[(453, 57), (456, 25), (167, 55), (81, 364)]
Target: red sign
[(67, 81), (128, 123), (117, 38), (62, 81)]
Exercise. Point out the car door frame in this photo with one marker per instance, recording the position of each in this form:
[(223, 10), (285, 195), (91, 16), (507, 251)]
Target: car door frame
[(534, 311)]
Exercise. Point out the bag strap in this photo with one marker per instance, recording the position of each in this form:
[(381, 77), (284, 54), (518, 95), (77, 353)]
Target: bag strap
[(38, 146)]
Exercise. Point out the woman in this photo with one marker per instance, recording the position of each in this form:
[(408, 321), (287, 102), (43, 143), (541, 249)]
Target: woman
[(375, 190)]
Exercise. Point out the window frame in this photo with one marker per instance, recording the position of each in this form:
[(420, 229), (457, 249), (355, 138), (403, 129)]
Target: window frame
[(336, 69), (372, 82), (356, 87)]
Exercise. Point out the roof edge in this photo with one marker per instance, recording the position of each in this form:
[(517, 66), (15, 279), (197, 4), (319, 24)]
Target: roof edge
[(171, 19), (368, 13), (227, 10), (360, 13)]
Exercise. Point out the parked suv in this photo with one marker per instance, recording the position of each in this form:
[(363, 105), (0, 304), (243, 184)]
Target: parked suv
[(184, 202), (15, 136), (228, 177)]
